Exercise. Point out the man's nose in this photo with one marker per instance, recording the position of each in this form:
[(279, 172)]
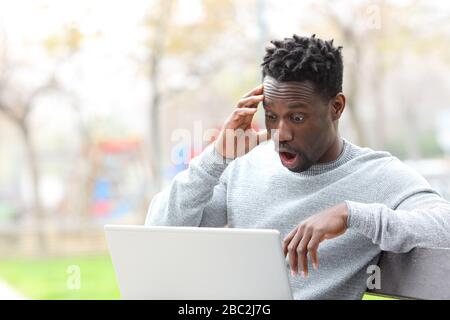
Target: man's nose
[(284, 133)]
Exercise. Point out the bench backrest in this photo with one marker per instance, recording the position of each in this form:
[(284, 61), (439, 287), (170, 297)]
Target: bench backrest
[(419, 274)]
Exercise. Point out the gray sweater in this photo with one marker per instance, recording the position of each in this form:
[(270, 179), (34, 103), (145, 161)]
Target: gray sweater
[(391, 208)]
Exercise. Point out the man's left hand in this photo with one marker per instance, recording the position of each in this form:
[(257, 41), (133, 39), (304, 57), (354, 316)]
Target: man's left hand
[(307, 236)]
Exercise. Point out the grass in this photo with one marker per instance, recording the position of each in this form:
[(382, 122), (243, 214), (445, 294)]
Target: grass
[(377, 297), (53, 278), (50, 278)]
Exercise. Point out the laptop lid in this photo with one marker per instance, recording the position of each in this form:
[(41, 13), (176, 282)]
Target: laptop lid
[(198, 263)]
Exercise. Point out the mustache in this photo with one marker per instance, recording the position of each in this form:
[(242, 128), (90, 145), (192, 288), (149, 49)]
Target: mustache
[(286, 148)]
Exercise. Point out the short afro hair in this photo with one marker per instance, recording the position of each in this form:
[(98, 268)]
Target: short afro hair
[(306, 58)]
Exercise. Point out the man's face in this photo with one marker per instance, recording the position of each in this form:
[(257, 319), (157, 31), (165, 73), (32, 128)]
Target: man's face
[(302, 121)]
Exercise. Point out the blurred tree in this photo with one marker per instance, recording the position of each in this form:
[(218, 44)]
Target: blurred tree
[(378, 37), (353, 38), (17, 104), (158, 23), (406, 36), (167, 38), (63, 46)]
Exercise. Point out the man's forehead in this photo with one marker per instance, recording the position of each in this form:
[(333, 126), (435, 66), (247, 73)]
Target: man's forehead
[(287, 90), (276, 83)]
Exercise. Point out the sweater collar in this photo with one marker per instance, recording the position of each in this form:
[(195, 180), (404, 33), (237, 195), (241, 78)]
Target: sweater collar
[(316, 169)]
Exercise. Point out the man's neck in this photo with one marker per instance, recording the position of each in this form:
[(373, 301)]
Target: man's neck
[(333, 151)]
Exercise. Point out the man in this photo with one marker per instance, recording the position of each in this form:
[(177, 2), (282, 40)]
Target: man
[(307, 181)]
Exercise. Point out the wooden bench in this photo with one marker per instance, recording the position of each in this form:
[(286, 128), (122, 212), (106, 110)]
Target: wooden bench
[(418, 274)]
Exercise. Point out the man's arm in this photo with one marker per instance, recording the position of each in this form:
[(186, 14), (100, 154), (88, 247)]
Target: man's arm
[(421, 220), (414, 216), (195, 197)]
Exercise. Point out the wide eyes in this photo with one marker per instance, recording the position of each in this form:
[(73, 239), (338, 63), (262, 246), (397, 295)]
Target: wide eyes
[(295, 117), (271, 117)]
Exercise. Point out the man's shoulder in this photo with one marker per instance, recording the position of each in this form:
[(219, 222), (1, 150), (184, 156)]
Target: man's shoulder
[(388, 167), (368, 155)]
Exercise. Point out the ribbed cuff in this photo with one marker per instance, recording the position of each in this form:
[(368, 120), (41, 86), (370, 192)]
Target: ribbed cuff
[(211, 161), (360, 217)]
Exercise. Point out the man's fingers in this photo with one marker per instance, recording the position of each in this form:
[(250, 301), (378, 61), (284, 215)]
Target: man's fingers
[(302, 253), (313, 245), (251, 101), (258, 90), (292, 250), (288, 239), (242, 118), (242, 113)]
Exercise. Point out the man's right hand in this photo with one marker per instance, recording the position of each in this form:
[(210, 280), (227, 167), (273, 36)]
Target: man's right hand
[(237, 137)]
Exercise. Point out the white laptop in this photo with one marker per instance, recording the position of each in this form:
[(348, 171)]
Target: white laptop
[(190, 263)]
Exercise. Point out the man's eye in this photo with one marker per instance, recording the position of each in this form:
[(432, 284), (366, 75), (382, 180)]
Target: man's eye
[(270, 117), (297, 117)]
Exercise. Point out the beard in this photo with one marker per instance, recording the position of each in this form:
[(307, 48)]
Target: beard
[(294, 160), (304, 163)]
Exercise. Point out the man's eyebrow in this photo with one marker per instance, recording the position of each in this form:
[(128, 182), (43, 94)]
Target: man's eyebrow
[(297, 105)]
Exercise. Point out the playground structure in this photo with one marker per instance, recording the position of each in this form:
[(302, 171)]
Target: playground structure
[(108, 183)]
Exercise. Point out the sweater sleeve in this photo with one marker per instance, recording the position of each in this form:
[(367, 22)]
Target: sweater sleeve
[(195, 197), (414, 216)]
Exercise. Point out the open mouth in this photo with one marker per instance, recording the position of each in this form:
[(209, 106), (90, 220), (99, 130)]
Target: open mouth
[(289, 159)]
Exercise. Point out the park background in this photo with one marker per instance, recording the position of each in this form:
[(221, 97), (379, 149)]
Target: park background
[(92, 91)]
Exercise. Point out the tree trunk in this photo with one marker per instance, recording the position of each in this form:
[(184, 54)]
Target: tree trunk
[(380, 114), (155, 61), (352, 93), (36, 207)]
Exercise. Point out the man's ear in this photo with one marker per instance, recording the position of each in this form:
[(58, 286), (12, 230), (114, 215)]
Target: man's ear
[(337, 106)]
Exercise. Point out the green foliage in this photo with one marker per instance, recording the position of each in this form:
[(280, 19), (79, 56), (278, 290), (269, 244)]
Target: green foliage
[(428, 144), (195, 38), (7, 211), (425, 141), (46, 278)]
